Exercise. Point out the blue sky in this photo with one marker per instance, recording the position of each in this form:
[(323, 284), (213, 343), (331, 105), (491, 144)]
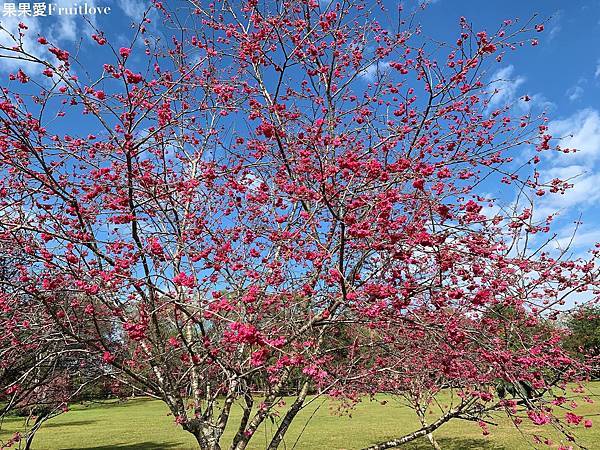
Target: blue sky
[(561, 75)]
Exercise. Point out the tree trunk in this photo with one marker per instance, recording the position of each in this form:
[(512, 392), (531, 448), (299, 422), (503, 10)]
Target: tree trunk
[(206, 442), (288, 418), (429, 436), (424, 431), (244, 420), (36, 426), (245, 435), (433, 442)]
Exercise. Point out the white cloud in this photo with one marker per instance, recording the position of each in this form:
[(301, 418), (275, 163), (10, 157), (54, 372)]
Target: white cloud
[(133, 8), (570, 237), (555, 24), (581, 131), (10, 27), (574, 92), (62, 30), (69, 28), (505, 85), (583, 194), (537, 102), (371, 72), (597, 72), (65, 29)]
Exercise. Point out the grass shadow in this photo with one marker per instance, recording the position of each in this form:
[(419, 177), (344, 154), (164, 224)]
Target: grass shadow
[(67, 424), (136, 446), (112, 403), (456, 443)]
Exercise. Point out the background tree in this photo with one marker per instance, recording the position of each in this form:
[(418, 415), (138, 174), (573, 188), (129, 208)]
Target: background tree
[(40, 372), (584, 334)]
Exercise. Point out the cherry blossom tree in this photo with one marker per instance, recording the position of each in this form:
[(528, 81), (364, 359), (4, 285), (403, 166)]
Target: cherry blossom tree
[(285, 198), (42, 371)]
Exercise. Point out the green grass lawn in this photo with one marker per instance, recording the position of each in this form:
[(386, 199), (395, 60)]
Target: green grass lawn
[(145, 424)]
